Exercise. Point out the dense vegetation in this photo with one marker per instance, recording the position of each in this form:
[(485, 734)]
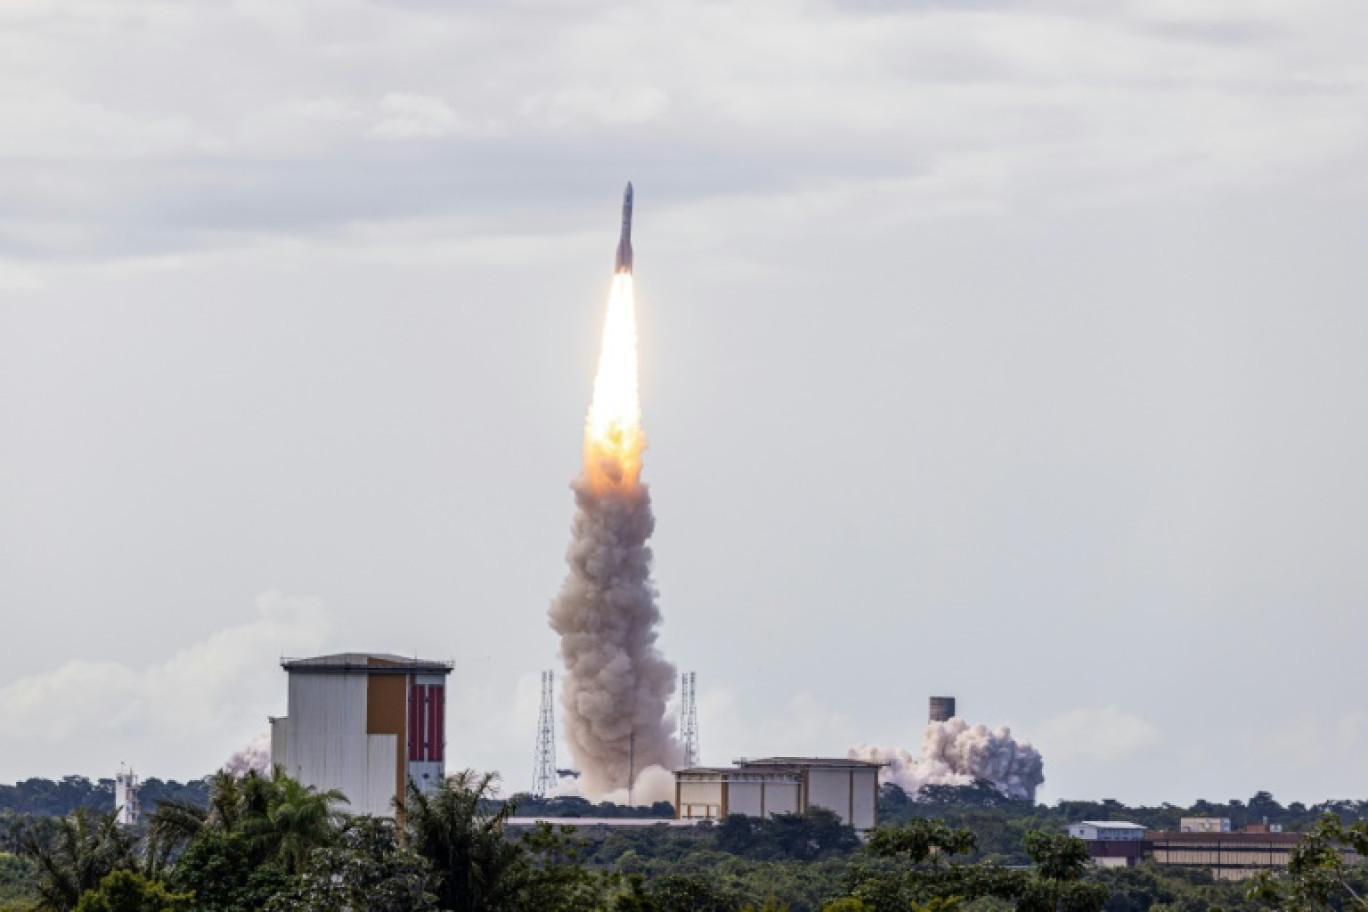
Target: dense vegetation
[(58, 799), (269, 843), (1001, 824)]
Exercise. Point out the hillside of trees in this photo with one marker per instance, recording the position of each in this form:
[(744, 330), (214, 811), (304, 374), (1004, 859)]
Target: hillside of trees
[(46, 797)]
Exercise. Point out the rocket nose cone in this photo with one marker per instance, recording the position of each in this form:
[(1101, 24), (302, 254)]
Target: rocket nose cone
[(627, 194)]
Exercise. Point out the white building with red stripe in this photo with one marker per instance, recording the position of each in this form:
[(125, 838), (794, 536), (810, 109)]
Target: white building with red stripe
[(363, 723)]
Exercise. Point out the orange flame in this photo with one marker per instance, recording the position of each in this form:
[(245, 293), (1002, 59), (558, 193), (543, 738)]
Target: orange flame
[(613, 440)]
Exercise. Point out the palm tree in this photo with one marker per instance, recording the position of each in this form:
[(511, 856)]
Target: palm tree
[(76, 856), (459, 830), (170, 828), (281, 818), (299, 819)]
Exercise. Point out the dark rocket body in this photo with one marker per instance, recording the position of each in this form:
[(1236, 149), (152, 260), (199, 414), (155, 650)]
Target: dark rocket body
[(624, 250)]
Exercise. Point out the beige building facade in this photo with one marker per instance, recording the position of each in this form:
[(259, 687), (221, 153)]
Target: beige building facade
[(781, 785)]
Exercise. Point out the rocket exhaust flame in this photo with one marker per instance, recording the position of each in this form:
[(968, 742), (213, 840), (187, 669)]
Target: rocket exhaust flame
[(612, 431), (616, 681)]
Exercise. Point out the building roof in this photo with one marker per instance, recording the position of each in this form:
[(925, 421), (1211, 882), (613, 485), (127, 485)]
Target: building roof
[(1110, 824), (602, 821), (1171, 838), (831, 762), (371, 663), (741, 772)]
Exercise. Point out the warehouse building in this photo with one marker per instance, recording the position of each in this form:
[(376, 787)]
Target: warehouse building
[(1227, 855), (1200, 842), (364, 724), (781, 785)]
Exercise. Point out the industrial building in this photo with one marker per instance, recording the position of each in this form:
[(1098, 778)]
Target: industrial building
[(1200, 842), (1227, 855), (781, 785), (364, 724)]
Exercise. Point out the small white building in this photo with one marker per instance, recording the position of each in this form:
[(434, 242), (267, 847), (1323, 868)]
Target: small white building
[(1111, 843), (781, 785), (1107, 831), (364, 724)]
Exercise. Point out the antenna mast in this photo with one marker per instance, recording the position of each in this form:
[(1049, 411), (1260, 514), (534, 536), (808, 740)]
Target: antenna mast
[(688, 718), (631, 766), (544, 759)]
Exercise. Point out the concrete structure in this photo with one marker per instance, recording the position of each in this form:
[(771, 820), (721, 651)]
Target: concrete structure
[(1227, 855), (942, 709), (364, 724), (1204, 825), (1111, 843), (781, 785), (127, 810)]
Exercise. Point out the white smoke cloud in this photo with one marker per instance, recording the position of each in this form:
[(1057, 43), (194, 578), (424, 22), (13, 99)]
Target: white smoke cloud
[(254, 756), (654, 783), (956, 753)]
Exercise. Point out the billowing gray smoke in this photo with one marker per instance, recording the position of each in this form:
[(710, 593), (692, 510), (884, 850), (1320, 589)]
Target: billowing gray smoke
[(616, 682), (956, 753)]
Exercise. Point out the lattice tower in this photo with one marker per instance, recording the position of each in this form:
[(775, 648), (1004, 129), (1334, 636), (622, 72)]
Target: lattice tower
[(544, 763), (688, 717)]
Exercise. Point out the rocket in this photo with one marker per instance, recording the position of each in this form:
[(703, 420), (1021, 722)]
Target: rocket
[(624, 251)]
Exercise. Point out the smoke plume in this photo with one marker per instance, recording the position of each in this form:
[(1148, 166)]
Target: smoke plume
[(956, 753), (616, 681), (254, 755)]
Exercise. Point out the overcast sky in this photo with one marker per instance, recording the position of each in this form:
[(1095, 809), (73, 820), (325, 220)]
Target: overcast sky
[(1009, 350)]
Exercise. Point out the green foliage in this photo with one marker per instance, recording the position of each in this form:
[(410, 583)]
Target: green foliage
[(269, 844), (367, 871), (227, 873), (74, 855), (574, 806), (242, 850), (18, 882), (847, 904), (919, 840), (297, 819), (1317, 876), (1057, 857), (129, 891), (60, 798), (454, 827), (1001, 824), (1057, 884), (691, 893), (818, 833)]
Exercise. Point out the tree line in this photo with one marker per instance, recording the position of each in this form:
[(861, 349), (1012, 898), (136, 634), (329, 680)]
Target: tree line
[(258, 842)]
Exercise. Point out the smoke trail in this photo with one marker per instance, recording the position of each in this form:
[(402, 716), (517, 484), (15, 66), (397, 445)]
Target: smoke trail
[(616, 681), (955, 753)]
